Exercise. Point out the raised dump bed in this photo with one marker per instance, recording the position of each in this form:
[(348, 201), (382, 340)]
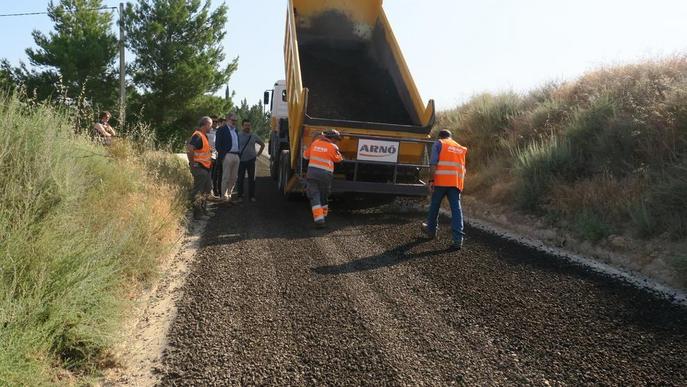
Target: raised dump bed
[(351, 72), (344, 70), (349, 84)]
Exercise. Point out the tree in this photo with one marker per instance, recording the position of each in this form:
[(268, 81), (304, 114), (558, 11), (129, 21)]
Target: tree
[(79, 53), (179, 58), (6, 76)]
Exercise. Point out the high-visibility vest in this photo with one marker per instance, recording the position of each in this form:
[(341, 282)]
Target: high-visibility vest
[(322, 154), (450, 170), (203, 156)]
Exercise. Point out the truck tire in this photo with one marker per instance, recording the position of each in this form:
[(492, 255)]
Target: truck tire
[(274, 168), (285, 174), (274, 156)]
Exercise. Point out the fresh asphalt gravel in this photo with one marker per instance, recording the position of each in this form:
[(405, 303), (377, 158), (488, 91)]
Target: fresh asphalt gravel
[(272, 301)]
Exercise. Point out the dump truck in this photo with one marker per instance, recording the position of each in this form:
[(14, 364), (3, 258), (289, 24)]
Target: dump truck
[(345, 71)]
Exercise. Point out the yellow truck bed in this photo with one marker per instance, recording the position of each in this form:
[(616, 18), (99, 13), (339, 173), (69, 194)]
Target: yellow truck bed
[(345, 70)]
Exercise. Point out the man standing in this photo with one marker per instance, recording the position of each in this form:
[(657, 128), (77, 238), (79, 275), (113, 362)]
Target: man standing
[(199, 156), (217, 166), (322, 154), (247, 155), (227, 145), (213, 171), (448, 174)]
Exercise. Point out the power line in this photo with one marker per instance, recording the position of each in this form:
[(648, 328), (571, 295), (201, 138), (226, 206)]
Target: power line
[(45, 13)]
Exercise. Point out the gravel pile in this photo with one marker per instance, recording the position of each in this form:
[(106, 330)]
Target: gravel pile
[(347, 84)]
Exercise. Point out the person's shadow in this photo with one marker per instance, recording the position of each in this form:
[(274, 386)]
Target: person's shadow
[(388, 258)]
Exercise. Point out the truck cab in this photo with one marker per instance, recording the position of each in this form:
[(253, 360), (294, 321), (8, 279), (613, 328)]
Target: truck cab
[(279, 113)]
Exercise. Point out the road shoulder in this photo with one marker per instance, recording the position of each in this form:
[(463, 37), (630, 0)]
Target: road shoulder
[(137, 356)]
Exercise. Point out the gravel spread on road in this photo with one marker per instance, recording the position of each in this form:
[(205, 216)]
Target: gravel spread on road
[(271, 300)]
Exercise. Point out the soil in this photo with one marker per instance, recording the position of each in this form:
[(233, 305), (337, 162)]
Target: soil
[(346, 83), (137, 357), (272, 301)]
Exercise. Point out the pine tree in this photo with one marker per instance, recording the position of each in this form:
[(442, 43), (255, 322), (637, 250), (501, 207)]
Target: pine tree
[(79, 54), (179, 58)]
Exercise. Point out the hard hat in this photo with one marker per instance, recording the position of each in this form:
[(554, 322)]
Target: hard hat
[(332, 134), (444, 133)]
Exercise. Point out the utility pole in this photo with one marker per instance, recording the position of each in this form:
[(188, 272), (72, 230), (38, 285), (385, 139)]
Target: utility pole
[(122, 69)]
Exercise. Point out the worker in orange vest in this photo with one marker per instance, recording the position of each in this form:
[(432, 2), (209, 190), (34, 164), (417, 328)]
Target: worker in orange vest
[(199, 154), (447, 171), (322, 154)]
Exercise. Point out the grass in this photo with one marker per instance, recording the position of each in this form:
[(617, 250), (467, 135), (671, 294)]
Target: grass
[(606, 153), (81, 228)]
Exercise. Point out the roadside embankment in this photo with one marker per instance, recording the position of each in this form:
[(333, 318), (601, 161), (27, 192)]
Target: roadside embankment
[(82, 230), (600, 161)]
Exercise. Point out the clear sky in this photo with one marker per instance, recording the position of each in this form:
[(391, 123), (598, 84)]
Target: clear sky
[(454, 48)]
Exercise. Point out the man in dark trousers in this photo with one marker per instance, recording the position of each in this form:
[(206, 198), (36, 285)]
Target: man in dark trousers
[(248, 156), (227, 145), (216, 172), (447, 173)]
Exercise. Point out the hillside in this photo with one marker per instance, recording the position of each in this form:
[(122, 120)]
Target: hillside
[(602, 156)]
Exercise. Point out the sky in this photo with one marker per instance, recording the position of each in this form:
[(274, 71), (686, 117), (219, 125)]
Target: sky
[(455, 48)]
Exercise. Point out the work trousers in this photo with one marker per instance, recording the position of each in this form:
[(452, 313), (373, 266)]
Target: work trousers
[(246, 166), (453, 196), (230, 171), (319, 186), (202, 184), (216, 174)]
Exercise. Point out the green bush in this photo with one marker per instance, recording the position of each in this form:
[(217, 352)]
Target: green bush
[(591, 226), (537, 167), (80, 225), (667, 199)]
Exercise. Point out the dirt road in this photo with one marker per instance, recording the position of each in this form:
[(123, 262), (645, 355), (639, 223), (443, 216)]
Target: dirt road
[(273, 301)]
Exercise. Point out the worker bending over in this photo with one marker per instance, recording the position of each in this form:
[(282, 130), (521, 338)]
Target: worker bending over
[(322, 155), (448, 174)]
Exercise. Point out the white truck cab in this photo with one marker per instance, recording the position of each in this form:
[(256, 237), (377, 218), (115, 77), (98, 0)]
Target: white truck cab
[(279, 113)]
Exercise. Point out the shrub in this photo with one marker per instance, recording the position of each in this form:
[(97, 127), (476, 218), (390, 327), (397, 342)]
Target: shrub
[(591, 226), (537, 167)]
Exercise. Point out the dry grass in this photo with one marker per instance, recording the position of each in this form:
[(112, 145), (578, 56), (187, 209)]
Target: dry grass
[(605, 153), (80, 227)]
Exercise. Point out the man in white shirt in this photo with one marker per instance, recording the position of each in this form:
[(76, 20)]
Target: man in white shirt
[(227, 146)]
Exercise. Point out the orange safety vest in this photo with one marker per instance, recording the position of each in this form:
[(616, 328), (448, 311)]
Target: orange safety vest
[(203, 156), (322, 154), (450, 170)]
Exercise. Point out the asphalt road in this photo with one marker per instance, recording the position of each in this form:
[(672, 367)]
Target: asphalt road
[(273, 301)]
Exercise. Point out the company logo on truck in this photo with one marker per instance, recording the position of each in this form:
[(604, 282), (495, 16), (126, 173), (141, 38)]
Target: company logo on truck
[(374, 150)]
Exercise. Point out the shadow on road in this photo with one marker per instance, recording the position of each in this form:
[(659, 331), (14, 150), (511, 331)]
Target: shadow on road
[(388, 258)]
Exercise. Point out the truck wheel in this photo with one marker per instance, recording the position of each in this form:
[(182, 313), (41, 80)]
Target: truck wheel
[(274, 156), (274, 167), (285, 174)]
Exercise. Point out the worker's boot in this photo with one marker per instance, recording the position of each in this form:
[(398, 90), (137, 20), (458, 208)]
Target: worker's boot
[(198, 214), (320, 224), (456, 245), (205, 210), (198, 211), (425, 230)]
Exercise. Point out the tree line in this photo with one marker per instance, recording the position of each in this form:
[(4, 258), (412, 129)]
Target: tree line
[(178, 65)]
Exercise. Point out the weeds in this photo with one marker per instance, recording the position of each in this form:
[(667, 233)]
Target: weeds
[(80, 225)]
